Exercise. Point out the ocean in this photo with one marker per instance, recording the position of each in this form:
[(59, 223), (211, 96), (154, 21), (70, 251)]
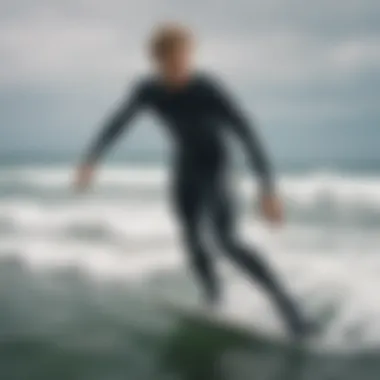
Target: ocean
[(78, 275)]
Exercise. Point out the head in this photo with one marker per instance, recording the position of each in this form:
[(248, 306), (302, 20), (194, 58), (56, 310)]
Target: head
[(171, 49)]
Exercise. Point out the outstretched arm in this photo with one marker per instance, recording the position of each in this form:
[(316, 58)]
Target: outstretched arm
[(118, 122), (248, 136), (230, 113), (246, 133)]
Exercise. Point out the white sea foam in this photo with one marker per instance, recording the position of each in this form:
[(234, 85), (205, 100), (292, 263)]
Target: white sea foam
[(132, 237), (306, 189)]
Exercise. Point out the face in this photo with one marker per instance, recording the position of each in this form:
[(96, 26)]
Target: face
[(176, 65)]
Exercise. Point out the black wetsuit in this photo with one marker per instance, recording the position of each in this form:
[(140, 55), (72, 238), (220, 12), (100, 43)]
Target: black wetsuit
[(197, 117)]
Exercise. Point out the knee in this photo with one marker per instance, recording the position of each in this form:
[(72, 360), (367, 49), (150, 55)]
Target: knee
[(232, 246), (225, 236), (227, 242), (191, 239), (197, 252), (195, 245)]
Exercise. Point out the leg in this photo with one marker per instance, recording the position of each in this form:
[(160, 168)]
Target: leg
[(189, 196), (248, 260)]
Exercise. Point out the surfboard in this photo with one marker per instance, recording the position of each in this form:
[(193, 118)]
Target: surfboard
[(237, 315), (218, 319), (211, 318)]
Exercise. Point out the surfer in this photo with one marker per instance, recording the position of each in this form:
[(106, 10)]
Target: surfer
[(197, 112)]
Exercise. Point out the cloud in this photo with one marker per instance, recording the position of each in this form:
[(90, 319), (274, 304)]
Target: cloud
[(314, 61), (103, 41)]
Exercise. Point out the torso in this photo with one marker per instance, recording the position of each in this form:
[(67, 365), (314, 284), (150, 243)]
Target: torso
[(191, 116)]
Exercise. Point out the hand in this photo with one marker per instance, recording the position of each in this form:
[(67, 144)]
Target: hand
[(84, 177), (271, 208)]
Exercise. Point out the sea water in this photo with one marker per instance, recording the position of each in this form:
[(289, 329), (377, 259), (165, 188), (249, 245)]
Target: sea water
[(77, 272)]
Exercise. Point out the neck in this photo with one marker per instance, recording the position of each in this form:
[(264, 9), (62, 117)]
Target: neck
[(177, 81)]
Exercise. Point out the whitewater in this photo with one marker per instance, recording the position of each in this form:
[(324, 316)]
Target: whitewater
[(121, 237)]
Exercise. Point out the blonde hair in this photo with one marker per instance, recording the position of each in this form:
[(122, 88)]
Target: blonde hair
[(167, 37)]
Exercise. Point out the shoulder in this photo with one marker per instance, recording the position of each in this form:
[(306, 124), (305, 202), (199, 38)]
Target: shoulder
[(142, 87), (210, 82), (148, 89), (205, 78)]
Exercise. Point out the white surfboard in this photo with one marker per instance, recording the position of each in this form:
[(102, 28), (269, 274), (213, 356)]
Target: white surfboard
[(222, 320), (239, 314), (215, 319)]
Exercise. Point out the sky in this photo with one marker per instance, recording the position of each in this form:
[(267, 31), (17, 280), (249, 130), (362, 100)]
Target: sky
[(307, 72)]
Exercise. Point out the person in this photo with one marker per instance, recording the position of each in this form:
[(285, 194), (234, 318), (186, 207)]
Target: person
[(197, 112)]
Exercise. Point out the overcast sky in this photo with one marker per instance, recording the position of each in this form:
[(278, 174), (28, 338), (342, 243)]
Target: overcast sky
[(308, 71)]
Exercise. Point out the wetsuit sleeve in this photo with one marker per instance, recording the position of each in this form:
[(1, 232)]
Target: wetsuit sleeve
[(246, 133), (117, 123)]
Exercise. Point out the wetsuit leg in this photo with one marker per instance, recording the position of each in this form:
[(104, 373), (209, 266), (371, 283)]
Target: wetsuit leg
[(249, 260), (189, 196)]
